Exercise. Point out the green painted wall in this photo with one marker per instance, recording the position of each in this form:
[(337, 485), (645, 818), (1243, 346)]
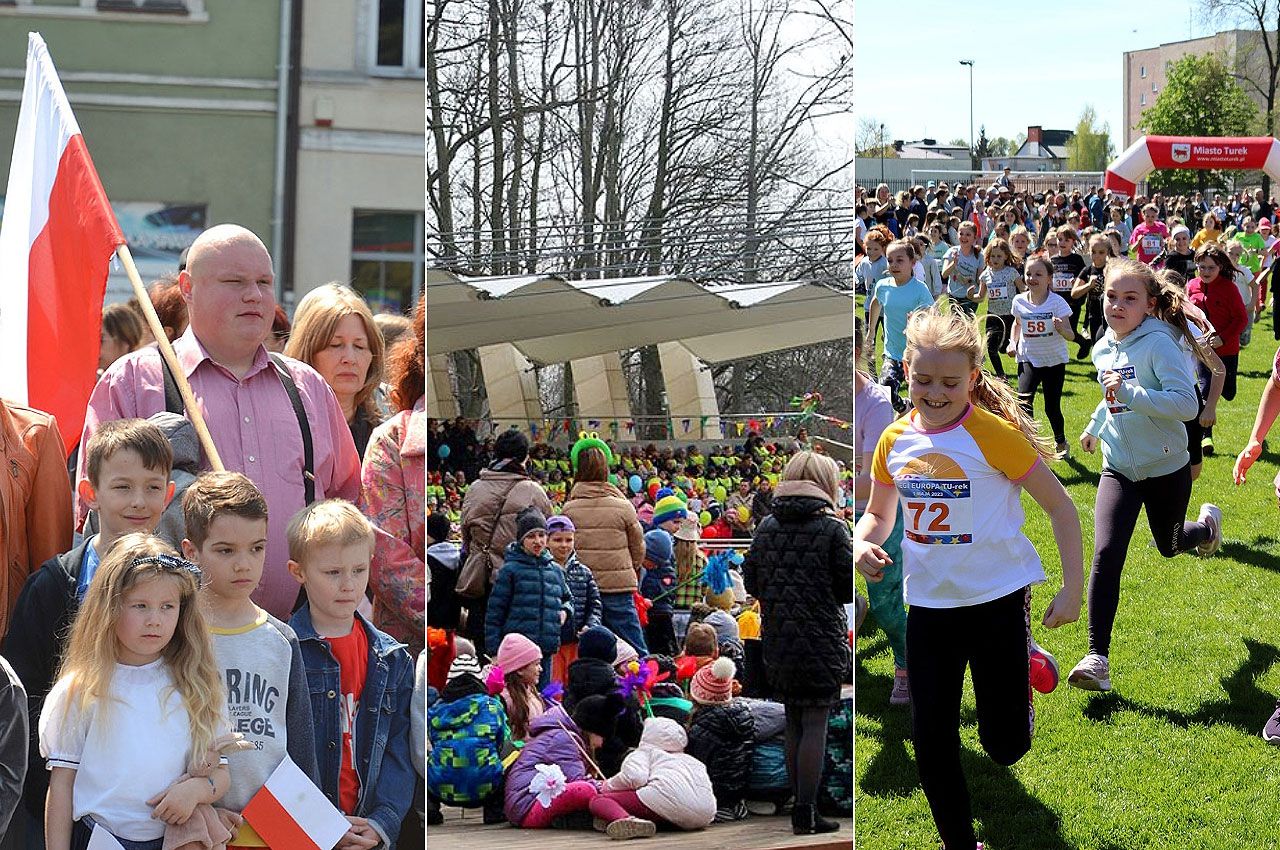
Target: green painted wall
[(183, 155)]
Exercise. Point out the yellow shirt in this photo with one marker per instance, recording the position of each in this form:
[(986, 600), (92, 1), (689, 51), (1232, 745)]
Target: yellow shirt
[(1204, 237)]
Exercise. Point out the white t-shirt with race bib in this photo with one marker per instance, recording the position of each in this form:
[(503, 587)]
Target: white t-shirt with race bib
[(962, 542), (1038, 343)]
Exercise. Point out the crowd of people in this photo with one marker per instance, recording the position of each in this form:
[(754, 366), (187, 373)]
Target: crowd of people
[(1160, 294), (664, 632), (173, 633)]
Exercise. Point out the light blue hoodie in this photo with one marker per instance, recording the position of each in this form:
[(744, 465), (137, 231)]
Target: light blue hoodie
[(1141, 428)]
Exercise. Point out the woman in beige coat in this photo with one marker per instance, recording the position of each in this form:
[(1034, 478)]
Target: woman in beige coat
[(610, 541)]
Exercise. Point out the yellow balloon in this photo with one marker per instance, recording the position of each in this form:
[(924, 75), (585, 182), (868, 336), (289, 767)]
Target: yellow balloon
[(743, 513)]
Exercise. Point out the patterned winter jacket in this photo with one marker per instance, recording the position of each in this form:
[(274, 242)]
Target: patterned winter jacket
[(586, 600), (527, 597), (723, 738), (393, 496), (467, 733)]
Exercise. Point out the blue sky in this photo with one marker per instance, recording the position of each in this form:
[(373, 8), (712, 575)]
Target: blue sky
[(1038, 67)]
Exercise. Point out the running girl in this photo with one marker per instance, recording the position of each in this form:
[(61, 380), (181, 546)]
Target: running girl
[(1148, 238), (1214, 291), (896, 298), (961, 268), (1040, 336), (1020, 244), (959, 463), (1088, 288), (1147, 395), (1067, 265), (137, 706), (927, 268), (998, 283)]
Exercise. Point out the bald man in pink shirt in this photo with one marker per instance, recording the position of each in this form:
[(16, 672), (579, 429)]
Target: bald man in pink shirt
[(229, 289)]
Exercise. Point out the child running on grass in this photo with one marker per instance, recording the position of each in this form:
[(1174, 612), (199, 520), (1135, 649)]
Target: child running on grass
[(998, 283), (1040, 335), (1147, 395), (959, 462), (896, 298)]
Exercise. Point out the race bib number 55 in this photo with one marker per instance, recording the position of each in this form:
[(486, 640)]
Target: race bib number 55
[(937, 511)]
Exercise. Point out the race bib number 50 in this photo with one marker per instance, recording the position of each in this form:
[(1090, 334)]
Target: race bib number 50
[(937, 511)]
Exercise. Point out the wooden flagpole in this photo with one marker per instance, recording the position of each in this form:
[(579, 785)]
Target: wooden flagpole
[(166, 351)]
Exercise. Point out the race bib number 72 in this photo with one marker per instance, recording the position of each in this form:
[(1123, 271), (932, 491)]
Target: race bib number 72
[(937, 511)]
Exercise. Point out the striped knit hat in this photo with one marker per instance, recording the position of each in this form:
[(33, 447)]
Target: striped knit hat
[(668, 508), (464, 665), (713, 683)]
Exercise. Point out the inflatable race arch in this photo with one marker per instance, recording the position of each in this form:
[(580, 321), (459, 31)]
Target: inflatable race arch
[(1149, 153)]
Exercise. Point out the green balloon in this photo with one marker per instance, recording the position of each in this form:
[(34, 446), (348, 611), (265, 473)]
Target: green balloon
[(705, 518), (682, 496), (720, 493)]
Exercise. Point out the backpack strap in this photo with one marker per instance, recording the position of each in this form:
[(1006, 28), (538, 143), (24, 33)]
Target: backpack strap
[(308, 451), (172, 397)]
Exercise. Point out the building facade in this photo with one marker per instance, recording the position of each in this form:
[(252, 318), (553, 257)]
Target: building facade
[(361, 167), (178, 103)]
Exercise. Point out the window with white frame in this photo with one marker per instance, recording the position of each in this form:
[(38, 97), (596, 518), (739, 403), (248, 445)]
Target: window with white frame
[(388, 258), (399, 37), (1142, 100), (1142, 71)]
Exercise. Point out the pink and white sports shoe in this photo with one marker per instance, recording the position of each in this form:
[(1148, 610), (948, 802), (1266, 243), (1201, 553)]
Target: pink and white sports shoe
[(1044, 669)]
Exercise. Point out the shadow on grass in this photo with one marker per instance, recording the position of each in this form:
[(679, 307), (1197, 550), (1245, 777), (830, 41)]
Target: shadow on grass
[(1256, 553), (1245, 706), (1008, 814), (1079, 473)]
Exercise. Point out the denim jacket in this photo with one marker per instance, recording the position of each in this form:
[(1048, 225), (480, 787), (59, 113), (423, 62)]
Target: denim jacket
[(382, 728)]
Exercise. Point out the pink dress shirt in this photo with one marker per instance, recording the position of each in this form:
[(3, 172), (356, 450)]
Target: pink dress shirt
[(255, 431)]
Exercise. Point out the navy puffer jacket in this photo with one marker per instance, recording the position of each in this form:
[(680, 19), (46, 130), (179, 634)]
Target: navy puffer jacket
[(586, 600), (723, 737), (528, 596)]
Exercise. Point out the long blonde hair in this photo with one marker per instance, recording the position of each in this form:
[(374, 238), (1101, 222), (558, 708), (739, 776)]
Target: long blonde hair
[(952, 330), (315, 321), (92, 655)]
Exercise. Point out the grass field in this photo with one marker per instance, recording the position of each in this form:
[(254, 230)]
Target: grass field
[(1172, 756)]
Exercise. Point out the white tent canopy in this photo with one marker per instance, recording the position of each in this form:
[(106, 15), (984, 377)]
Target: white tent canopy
[(552, 320)]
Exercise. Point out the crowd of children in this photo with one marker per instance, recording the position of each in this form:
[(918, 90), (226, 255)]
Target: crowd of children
[(570, 724), (937, 487), (162, 698)]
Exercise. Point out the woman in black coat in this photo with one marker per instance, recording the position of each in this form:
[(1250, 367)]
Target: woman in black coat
[(800, 567)]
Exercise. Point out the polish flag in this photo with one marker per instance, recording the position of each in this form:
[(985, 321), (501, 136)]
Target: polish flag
[(56, 242), (290, 811)]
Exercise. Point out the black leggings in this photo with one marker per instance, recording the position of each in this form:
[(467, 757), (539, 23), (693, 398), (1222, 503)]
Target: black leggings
[(1052, 377), (1232, 364), (993, 639), (998, 329), (1114, 517), (806, 749)]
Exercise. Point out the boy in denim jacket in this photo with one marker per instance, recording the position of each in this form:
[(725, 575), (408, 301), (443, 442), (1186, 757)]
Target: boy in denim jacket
[(361, 679)]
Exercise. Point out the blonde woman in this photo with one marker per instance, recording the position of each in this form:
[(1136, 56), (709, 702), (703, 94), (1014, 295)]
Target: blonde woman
[(138, 704), (800, 567), (334, 333)]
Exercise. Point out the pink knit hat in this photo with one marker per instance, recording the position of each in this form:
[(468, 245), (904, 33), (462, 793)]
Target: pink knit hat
[(515, 652), (713, 683)]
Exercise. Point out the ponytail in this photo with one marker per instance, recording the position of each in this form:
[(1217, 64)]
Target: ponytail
[(1170, 303), (997, 397)]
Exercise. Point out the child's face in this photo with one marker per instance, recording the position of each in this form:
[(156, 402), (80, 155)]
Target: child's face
[(1207, 269), (1180, 242), (1235, 251), (939, 385), (1065, 243), (531, 673), (561, 545), (1098, 253), (1126, 304), (335, 577), (1149, 216), (148, 617), (231, 557), (128, 496), (1051, 244), (1037, 277), (1020, 243), (966, 235), (1249, 226), (900, 264), (999, 258), (874, 249), (534, 542)]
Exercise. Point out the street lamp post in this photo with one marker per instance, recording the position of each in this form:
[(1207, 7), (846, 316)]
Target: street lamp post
[(881, 153), (972, 152)]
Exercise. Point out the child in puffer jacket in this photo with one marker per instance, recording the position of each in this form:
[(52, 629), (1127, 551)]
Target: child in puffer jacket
[(659, 782), (467, 729), (582, 588), (722, 736), (550, 778), (658, 586), (593, 674)]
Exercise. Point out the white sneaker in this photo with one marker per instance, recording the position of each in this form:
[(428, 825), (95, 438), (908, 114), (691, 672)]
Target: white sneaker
[(1093, 673), (1210, 515)]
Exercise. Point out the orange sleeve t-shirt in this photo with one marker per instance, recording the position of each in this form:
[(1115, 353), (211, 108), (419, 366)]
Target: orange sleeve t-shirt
[(352, 653)]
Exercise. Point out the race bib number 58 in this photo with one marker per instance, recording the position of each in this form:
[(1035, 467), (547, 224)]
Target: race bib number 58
[(1037, 325), (937, 511)]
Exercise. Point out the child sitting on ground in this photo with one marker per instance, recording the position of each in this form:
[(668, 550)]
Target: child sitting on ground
[(700, 649), (530, 595), (722, 736), (467, 729), (515, 673), (330, 549), (582, 588), (595, 673), (660, 783)]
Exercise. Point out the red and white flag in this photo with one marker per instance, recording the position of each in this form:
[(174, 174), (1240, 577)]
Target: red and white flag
[(290, 811), (56, 242)]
